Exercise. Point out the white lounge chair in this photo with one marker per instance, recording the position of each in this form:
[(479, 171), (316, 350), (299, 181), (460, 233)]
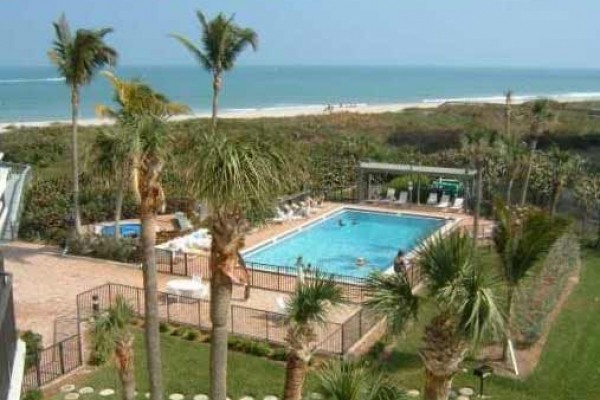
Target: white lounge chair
[(458, 204), (432, 199), (402, 198), (444, 202), (390, 197)]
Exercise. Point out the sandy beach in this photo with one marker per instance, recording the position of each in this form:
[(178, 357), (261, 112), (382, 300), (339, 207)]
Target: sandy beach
[(295, 111)]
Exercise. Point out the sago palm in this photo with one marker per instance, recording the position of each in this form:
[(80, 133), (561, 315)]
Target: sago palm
[(111, 334), (141, 115), (522, 238), (305, 310), (233, 177), (565, 168), (541, 116), (347, 380), (78, 57), (221, 42), (466, 302), (479, 144)]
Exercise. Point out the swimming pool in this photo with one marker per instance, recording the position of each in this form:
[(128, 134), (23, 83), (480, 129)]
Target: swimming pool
[(334, 247), (127, 230)]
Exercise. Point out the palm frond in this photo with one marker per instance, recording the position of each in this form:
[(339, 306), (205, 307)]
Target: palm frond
[(310, 301), (200, 57)]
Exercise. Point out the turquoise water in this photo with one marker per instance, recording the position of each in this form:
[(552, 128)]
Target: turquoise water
[(376, 237), (37, 94), (127, 230)]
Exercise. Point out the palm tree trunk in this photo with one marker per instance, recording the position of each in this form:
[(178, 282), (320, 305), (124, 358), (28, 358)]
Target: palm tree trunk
[(220, 306), (151, 301), (215, 100), (555, 198), (75, 159), (528, 173), (477, 205), (125, 357), (510, 294), (295, 374), (119, 207), (436, 387)]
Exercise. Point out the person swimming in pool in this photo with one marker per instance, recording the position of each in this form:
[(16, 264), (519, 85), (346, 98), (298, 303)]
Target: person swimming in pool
[(341, 222), (400, 263), (360, 261)]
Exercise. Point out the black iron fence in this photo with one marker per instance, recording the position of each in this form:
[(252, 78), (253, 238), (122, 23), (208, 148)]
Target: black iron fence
[(332, 338), (8, 334), (51, 363)]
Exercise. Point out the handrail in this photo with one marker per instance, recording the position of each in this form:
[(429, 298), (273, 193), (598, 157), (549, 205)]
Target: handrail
[(15, 204)]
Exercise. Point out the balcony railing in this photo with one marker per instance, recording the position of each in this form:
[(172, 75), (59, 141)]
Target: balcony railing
[(8, 334)]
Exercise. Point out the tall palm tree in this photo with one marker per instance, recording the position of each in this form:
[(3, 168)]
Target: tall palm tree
[(466, 302), (565, 168), (141, 114), (78, 57), (348, 380), (111, 334), (541, 116), (479, 144), (222, 41), (508, 113), (234, 177), (514, 154), (522, 237), (306, 308)]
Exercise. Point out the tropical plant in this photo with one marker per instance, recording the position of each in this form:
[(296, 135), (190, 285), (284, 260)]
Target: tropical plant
[(234, 176), (587, 192), (78, 57), (222, 41), (141, 114), (306, 309), (348, 380), (111, 334), (541, 116), (522, 237), (479, 145), (565, 168), (466, 301), (514, 153)]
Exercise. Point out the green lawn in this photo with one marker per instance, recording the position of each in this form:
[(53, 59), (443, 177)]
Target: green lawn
[(569, 368)]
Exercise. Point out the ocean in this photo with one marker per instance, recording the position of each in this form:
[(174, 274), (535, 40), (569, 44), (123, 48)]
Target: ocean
[(39, 94)]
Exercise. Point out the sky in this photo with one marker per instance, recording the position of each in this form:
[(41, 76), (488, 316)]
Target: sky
[(490, 33)]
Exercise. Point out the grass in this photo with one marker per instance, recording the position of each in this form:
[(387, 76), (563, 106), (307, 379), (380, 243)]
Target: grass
[(568, 369)]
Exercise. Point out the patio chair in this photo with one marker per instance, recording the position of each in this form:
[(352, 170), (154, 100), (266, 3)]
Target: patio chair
[(402, 198), (432, 199), (458, 204), (183, 222), (444, 202), (390, 197)]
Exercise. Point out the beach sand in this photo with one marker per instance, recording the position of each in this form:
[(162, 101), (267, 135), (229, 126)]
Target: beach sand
[(281, 112)]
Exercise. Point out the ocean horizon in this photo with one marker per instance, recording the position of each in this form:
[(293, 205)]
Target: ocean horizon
[(31, 94)]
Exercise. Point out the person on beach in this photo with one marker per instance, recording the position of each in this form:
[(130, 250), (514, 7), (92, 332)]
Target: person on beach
[(400, 263)]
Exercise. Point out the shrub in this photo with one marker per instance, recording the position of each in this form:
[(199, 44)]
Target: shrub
[(279, 354), (123, 250), (179, 331), (376, 350), (163, 327), (248, 346), (33, 394), (33, 345), (191, 335)]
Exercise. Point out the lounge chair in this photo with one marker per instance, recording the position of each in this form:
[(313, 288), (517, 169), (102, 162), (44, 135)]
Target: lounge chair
[(444, 202), (458, 204), (390, 197), (281, 305), (183, 222), (432, 199), (402, 198)]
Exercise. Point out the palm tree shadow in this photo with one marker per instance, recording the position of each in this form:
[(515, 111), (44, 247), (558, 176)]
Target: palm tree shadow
[(398, 360)]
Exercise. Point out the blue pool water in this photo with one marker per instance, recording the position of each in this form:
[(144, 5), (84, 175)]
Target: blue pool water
[(376, 237), (127, 230)]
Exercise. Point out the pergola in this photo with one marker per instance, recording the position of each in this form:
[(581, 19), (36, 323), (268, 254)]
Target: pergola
[(367, 171)]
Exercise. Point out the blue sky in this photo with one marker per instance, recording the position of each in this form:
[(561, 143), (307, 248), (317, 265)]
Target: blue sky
[(539, 33)]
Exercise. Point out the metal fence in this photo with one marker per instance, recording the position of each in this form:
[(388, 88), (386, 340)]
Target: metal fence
[(8, 334), (332, 338), (52, 362)]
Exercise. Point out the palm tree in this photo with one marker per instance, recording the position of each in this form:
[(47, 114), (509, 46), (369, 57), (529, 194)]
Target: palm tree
[(522, 237), (541, 116), (222, 42), (234, 177), (514, 155), (111, 334), (141, 114), (78, 57), (479, 144), (307, 307), (565, 168), (347, 380), (466, 302)]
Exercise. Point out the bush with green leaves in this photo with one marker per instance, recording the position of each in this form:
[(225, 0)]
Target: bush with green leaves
[(33, 345), (125, 250), (32, 394)]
